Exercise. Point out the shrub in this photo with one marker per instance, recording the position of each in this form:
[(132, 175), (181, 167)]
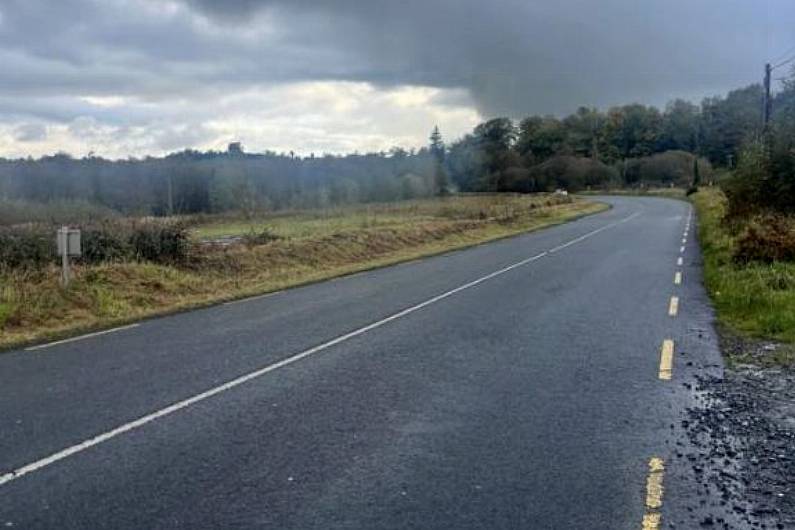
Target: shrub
[(29, 246), (160, 242), (764, 180), (106, 242), (33, 246), (671, 167), (571, 173), (767, 238), (749, 189)]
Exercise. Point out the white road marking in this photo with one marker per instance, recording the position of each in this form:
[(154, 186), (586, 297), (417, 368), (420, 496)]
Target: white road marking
[(681, 250), (81, 337), (589, 234), (680, 261), (140, 422), (252, 298)]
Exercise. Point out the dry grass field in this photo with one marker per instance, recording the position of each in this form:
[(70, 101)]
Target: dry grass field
[(234, 258)]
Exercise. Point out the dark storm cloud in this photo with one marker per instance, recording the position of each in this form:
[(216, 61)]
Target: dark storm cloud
[(527, 56), (168, 60), (514, 56)]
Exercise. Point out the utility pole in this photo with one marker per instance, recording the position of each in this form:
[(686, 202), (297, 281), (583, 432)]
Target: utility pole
[(768, 103)]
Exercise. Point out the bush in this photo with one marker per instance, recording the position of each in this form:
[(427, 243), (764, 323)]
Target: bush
[(106, 242), (571, 173), (663, 169), (766, 239), (33, 246), (160, 242), (748, 190), (30, 246), (165, 242)]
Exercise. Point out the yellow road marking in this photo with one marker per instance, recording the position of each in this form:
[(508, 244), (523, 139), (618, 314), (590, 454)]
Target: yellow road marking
[(667, 360), (678, 278), (651, 521), (673, 308), (654, 494)]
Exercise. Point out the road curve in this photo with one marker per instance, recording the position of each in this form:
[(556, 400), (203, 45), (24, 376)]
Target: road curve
[(517, 384)]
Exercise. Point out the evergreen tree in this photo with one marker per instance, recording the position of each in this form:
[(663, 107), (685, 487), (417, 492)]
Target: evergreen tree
[(437, 149), (437, 145)]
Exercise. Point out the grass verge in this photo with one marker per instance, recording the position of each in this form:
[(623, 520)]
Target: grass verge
[(753, 301), (306, 247), (671, 193)]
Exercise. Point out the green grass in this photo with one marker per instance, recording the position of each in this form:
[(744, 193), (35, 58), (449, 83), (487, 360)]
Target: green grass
[(314, 246), (755, 300)]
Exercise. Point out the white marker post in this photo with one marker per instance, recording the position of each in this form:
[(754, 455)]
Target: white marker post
[(68, 240)]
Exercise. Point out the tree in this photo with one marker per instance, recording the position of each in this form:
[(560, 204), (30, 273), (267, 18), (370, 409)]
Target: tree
[(680, 129), (729, 123), (632, 131), (437, 145), (540, 138), (585, 132), (495, 140)]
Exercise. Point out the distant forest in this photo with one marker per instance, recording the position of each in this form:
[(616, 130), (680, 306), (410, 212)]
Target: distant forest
[(629, 145)]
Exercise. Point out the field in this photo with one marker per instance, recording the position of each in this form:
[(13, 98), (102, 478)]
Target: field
[(754, 300), (233, 258)]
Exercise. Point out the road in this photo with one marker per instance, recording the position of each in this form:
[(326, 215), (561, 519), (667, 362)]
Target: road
[(516, 384)]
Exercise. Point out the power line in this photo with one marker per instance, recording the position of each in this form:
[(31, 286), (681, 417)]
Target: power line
[(782, 63), (790, 50)]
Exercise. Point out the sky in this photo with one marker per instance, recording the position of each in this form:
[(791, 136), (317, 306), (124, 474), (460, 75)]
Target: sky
[(121, 78)]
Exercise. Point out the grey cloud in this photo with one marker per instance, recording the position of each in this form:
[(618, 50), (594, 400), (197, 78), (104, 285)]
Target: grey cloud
[(507, 57), (30, 132), (518, 57)]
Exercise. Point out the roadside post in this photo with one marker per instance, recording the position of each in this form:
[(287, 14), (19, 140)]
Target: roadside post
[(68, 240)]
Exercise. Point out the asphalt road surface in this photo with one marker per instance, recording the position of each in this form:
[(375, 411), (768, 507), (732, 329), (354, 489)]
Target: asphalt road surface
[(517, 384)]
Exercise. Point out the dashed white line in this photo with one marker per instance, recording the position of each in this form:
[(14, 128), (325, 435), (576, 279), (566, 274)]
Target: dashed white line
[(140, 422), (589, 234)]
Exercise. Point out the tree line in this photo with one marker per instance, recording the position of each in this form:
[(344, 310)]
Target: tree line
[(627, 145)]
